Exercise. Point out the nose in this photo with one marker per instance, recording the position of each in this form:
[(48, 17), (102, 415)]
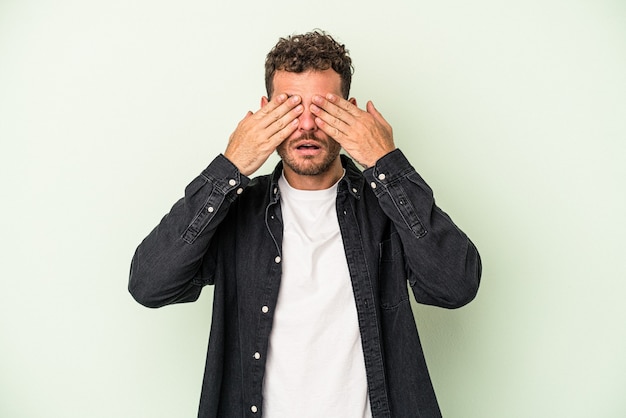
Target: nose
[(307, 121)]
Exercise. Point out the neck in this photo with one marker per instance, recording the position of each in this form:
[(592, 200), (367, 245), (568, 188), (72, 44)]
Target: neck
[(315, 182)]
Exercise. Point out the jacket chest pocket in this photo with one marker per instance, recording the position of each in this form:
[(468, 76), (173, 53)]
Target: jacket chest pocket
[(392, 276)]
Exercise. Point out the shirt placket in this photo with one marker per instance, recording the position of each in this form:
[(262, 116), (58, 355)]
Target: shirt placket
[(365, 303), (266, 306)]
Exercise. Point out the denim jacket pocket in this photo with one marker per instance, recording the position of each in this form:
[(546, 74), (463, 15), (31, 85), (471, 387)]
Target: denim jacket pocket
[(392, 277)]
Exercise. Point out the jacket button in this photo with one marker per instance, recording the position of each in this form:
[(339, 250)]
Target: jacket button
[(265, 309), (257, 355), (254, 409), (277, 259)]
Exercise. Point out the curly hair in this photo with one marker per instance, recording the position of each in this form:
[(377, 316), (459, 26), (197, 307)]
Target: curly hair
[(310, 51)]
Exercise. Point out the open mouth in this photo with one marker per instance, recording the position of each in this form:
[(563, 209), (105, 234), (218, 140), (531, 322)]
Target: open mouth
[(307, 144), (308, 147)]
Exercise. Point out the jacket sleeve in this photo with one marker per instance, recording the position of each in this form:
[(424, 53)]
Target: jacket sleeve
[(443, 265), (166, 267)]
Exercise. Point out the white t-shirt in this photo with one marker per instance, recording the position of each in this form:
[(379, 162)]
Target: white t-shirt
[(315, 366)]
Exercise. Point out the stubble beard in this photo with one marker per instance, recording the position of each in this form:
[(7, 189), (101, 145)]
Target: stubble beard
[(308, 167)]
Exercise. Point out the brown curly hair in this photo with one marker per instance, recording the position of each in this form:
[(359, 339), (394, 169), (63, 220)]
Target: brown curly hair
[(310, 51)]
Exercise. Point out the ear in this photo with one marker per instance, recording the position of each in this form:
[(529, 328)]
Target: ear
[(264, 101), (353, 101)]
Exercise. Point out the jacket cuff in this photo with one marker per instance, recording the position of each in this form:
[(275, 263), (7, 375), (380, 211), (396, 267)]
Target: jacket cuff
[(389, 168), (225, 176)]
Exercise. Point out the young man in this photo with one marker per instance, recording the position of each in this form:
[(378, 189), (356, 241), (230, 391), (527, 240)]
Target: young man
[(311, 312)]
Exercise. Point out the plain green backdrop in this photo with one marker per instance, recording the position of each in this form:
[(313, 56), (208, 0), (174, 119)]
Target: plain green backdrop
[(514, 112)]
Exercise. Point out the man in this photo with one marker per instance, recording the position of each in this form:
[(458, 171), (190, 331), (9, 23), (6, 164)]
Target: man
[(310, 265)]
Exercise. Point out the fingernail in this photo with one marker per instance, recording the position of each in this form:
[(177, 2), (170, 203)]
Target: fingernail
[(318, 99), (295, 99), (314, 108), (330, 97)]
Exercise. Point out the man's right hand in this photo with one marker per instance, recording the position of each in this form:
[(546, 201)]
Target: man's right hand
[(258, 134)]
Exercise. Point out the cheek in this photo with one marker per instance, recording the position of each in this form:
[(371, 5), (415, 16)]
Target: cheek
[(334, 146), (281, 147)]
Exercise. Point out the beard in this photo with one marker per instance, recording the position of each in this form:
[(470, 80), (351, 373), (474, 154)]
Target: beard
[(306, 166)]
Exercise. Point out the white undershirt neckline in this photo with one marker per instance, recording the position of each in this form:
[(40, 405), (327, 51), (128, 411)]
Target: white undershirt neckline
[(315, 364)]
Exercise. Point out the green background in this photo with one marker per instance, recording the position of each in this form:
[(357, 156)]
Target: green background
[(513, 111)]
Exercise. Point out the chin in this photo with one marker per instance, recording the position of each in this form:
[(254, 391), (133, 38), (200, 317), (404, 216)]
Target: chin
[(308, 167)]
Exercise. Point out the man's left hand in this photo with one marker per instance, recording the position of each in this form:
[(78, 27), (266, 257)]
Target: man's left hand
[(364, 134)]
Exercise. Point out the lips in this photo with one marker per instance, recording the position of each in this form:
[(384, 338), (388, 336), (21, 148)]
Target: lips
[(308, 147), (307, 144)]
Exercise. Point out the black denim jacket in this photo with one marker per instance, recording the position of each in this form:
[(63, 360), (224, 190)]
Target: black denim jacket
[(227, 232)]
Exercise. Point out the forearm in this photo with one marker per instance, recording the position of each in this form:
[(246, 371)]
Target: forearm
[(165, 266), (444, 266)]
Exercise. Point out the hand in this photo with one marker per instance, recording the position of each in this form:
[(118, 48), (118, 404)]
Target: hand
[(258, 134), (365, 135)]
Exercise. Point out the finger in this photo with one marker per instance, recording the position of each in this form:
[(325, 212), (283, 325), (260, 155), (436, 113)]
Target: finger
[(343, 105), (278, 107), (289, 104), (280, 135), (329, 119), (272, 110), (331, 131), (283, 115), (284, 121), (371, 109), (270, 106)]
